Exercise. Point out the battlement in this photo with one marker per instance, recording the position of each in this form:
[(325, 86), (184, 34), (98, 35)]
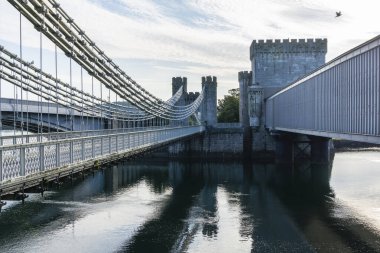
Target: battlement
[(288, 46), (191, 97), (245, 75), (177, 82), (193, 94), (208, 80)]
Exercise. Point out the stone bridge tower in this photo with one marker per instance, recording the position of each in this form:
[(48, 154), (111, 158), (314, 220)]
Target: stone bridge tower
[(208, 108), (187, 97), (278, 63), (275, 64), (177, 82)]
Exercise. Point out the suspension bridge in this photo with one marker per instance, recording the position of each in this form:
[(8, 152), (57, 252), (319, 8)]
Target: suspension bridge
[(58, 127)]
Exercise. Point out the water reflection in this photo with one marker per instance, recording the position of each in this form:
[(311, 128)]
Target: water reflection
[(189, 207)]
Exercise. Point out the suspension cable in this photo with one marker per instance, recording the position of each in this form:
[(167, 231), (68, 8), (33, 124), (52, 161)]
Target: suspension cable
[(21, 95)]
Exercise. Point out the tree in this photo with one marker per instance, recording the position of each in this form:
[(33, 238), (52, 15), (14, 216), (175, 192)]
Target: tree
[(228, 107)]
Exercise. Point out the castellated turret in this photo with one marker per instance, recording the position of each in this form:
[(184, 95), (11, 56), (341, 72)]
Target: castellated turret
[(276, 63), (208, 108), (245, 80), (177, 82)]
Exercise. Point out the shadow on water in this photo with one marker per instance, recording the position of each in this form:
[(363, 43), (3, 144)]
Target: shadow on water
[(328, 225), (214, 207), (160, 233), (71, 201), (282, 209)]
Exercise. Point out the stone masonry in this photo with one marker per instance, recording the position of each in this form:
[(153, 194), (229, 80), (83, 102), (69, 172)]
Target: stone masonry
[(277, 63), (208, 108)]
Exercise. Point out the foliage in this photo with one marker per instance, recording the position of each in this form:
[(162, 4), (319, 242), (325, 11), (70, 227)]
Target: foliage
[(228, 107)]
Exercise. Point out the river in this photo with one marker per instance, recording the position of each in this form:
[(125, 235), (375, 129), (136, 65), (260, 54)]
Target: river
[(184, 206)]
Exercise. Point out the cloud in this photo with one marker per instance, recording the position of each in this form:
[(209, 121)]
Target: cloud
[(155, 40)]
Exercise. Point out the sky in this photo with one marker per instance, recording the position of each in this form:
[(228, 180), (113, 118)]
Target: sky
[(155, 40)]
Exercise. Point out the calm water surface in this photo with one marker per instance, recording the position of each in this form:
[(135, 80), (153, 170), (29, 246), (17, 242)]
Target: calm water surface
[(205, 207)]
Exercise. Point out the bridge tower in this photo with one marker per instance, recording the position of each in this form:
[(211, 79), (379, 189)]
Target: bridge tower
[(208, 109), (275, 64), (245, 81), (177, 82)]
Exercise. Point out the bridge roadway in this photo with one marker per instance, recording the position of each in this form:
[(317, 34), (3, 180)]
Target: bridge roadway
[(341, 99), (47, 157)]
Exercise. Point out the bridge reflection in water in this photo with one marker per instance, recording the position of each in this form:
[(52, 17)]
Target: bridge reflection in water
[(182, 206)]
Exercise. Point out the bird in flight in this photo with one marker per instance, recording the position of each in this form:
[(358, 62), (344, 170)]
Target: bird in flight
[(338, 14)]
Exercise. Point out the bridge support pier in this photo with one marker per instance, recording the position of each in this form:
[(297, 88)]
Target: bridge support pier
[(284, 149), (292, 148), (321, 150)]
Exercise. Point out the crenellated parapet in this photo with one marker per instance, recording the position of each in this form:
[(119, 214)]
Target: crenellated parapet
[(245, 75), (276, 63), (288, 46), (208, 80), (191, 97), (177, 82)]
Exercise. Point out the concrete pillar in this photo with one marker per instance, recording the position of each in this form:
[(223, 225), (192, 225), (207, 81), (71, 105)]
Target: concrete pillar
[(208, 112), (321, 150)]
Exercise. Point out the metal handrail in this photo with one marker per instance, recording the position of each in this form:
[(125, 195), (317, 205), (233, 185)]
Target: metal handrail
[(21, 160)]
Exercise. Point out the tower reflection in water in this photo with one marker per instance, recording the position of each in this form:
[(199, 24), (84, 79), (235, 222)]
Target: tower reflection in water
[(190, 207), (256, 200)]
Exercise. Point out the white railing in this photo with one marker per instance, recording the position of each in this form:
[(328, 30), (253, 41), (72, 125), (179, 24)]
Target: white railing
[(20, 160), (41, 137)]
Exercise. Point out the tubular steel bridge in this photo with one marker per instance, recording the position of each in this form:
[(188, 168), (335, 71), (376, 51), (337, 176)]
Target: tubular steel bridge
[(341, 99)]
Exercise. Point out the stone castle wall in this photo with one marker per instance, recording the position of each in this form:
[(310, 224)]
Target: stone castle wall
[(222, 143), (275, 64), (278, 63)]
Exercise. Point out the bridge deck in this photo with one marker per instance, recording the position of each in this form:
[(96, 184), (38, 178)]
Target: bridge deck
[(25, 165), (339, 100)]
